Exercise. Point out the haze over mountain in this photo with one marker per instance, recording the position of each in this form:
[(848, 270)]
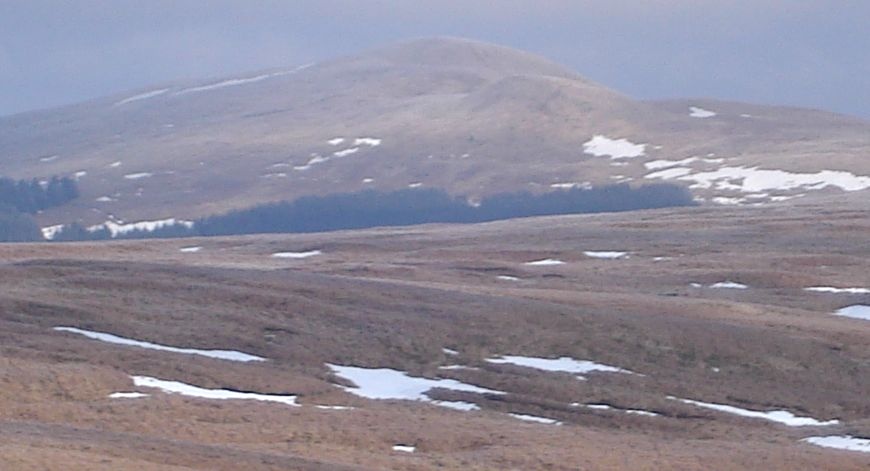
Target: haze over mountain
[(472, 118)]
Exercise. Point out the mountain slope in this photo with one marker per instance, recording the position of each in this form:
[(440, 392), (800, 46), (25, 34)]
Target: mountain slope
[(470, 117)]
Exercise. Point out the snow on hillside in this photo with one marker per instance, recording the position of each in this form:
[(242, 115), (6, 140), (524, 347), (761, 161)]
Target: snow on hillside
[(841, 442), (184, 389), (367, 141), (697, 112), (222, 84), (754, 180), (117, 228), (142, 96), (858, 311), (210, 86), (605, 254), (781, 416), (601, 146), (346, 152), (297, 255), (387, 383), (137, 176), (230, 355), (50, 232), (358, 142)]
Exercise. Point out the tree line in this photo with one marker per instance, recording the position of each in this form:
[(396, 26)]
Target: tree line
[(19, 199), (372, 208)]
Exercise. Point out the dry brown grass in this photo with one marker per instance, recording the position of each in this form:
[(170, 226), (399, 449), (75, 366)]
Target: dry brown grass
[(395, 297)]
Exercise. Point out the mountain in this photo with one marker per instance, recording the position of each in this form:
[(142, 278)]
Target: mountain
[(472, 118)]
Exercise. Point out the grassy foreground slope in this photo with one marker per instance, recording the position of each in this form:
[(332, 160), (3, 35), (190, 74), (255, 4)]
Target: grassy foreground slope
[(396, 297)]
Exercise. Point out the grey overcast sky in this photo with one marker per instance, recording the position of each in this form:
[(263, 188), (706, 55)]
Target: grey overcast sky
[(813, 53)]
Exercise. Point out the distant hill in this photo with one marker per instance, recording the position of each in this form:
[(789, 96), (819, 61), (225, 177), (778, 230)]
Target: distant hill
[(471, 118)]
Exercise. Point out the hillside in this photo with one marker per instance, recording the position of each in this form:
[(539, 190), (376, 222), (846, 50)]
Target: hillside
[(681, 339), (472, 118)]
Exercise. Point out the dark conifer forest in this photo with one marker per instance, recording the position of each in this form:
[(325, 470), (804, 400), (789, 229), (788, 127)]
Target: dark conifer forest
[(19, 199), (404, 208)]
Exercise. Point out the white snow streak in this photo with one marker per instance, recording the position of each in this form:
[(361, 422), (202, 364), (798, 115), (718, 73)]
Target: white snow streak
[(779, 416), (230, 355), (297, 255), (175, 387), (142, 96), (831, 289)]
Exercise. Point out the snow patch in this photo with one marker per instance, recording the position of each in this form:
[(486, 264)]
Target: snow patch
[(755, 180), (314, 160), (562, 364), (230, 355), (841, 442), (545, 262), (50, 158), (334, 407), (127, 395), (50, 232), (142, 96), (335, 141), (779, 416), (727, 201), (601, 146), (570, 185), (367, 141), (190, 249), (116, 228), (405, 448), (237, 81), (535, 418), (415, 185), (697, 112), (104, 199), (137, 176), (387, 383), (507, 278), (346, 152), (729, 285), (858, 311), (297, 255), (175, 387), (606, 255), (831, 289), (448, 351)]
